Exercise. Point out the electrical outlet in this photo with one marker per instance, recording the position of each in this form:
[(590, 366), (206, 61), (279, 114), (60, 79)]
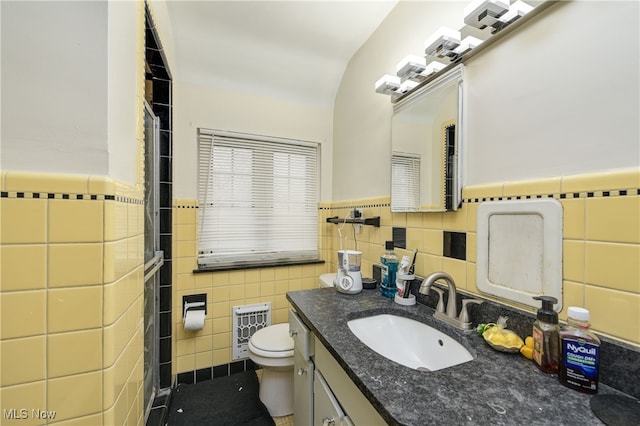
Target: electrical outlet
[(355, 214)]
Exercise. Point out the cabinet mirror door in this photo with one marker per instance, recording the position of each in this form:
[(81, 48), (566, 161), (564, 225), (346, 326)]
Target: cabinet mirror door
[(426, 133)]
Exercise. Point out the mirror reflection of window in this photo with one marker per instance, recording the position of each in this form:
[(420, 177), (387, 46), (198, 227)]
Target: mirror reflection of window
[(428, 123), (405, 178)]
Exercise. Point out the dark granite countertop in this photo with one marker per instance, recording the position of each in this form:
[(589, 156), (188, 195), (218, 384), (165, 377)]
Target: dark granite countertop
[(493, 389)]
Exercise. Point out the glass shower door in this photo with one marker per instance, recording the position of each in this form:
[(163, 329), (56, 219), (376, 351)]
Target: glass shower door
[(153, 257)]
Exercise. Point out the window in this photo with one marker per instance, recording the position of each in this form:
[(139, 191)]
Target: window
[(257, 199), (405, 181)]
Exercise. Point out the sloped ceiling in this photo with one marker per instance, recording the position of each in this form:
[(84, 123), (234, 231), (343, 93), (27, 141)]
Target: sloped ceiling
[(289, 49)]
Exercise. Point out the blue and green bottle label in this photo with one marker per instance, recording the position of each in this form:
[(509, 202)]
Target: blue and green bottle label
[(580, 359)]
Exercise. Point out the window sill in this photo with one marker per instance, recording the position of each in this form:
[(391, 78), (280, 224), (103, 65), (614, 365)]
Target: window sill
[(236, 267)]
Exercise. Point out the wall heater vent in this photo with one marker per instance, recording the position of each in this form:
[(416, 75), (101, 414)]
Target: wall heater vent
[(247, 319)]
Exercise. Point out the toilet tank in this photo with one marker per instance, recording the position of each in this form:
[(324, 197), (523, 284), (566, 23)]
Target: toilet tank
[(326, 280)]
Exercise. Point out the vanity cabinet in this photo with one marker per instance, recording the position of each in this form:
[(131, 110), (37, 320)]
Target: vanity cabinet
[(323, 393), (356, 409), (303, 370)]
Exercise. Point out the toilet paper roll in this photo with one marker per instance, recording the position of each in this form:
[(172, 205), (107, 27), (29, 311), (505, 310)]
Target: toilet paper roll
[(194, 320)]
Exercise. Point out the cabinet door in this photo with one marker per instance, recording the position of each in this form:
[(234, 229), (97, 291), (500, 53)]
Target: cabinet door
[(302, 390), (326, 410), (300, 334)]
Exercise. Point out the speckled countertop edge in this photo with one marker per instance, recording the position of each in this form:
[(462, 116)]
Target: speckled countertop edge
[(494, 388)]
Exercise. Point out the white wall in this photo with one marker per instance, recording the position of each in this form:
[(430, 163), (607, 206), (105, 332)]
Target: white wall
[(125, 62), (362, 118), (54, 87), (577, 114), (199, 106), (69, 87), (559, 98)]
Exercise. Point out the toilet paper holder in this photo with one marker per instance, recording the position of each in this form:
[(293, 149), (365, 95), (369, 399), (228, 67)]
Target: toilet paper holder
[(194, 302)]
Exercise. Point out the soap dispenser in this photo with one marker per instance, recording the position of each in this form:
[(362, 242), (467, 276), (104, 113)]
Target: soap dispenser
[(546, 336)]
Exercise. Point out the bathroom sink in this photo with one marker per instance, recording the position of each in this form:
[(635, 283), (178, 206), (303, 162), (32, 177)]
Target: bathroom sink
[(409, 342)]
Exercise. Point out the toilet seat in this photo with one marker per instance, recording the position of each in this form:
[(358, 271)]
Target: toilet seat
[(272, 342)]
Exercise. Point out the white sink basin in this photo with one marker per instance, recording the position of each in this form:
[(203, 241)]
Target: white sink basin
[(409, 342)]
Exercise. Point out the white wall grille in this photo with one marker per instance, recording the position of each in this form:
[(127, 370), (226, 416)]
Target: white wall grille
[(247, 319)]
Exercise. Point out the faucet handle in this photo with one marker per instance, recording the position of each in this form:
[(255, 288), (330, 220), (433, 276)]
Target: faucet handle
[(464, 313), (440, 306)]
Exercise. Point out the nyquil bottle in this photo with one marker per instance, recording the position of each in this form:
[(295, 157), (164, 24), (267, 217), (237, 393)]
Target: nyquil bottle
[(580, 349)]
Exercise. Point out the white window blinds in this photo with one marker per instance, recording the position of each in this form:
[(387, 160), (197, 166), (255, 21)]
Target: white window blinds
[(257, 199), (405, 181)]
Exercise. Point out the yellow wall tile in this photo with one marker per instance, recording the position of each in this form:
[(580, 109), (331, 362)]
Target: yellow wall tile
[(457, 269), (117, 414), (613, 219), (73, 353), (23, 220), (625, 324), (573, 260), (75, 308), (31, 395), (203, 359), (75, 396), (613, 266), (22, 361), (22, 267), (101, 185), (253, 275), (186, 216), (219, 294), (221, 340), (472, 246), (75, 264), (432, 241), (186, 363), (46, 182), (482, 191), (222, 325), (22, 314), (221, 356), (572, 295), (615, 179), (237, 293), (75, 221), (531, 187), (455, 221), (573, 224)]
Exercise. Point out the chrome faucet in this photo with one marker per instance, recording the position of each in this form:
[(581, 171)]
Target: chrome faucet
[(450, 316)]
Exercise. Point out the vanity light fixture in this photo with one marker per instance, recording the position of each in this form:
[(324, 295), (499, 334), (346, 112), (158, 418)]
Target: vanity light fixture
[(483, 13), (433, 68), (442, 42), (411, 66), (407, 86), (516, 11), (388, 84), (466, 45)]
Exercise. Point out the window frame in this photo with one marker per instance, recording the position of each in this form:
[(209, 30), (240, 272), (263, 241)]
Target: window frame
[(209, 260)]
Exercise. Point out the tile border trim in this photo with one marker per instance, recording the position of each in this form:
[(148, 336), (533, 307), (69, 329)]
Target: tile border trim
[(69, 196), (560, 196)]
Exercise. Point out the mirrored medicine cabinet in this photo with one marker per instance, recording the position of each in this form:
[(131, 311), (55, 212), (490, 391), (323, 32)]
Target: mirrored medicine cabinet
[(426, 129)]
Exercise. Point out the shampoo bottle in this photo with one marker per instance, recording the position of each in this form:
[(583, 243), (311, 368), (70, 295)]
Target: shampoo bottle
[(546, 338), (580, 350), (389, 262)]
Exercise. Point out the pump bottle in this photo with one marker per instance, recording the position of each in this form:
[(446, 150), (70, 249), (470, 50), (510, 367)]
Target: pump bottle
[(546, 338)]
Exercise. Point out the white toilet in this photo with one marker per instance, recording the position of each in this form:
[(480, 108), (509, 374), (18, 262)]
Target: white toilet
[(272, 349)]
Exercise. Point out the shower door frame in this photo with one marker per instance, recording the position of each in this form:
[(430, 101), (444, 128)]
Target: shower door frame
[(153, 261)]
